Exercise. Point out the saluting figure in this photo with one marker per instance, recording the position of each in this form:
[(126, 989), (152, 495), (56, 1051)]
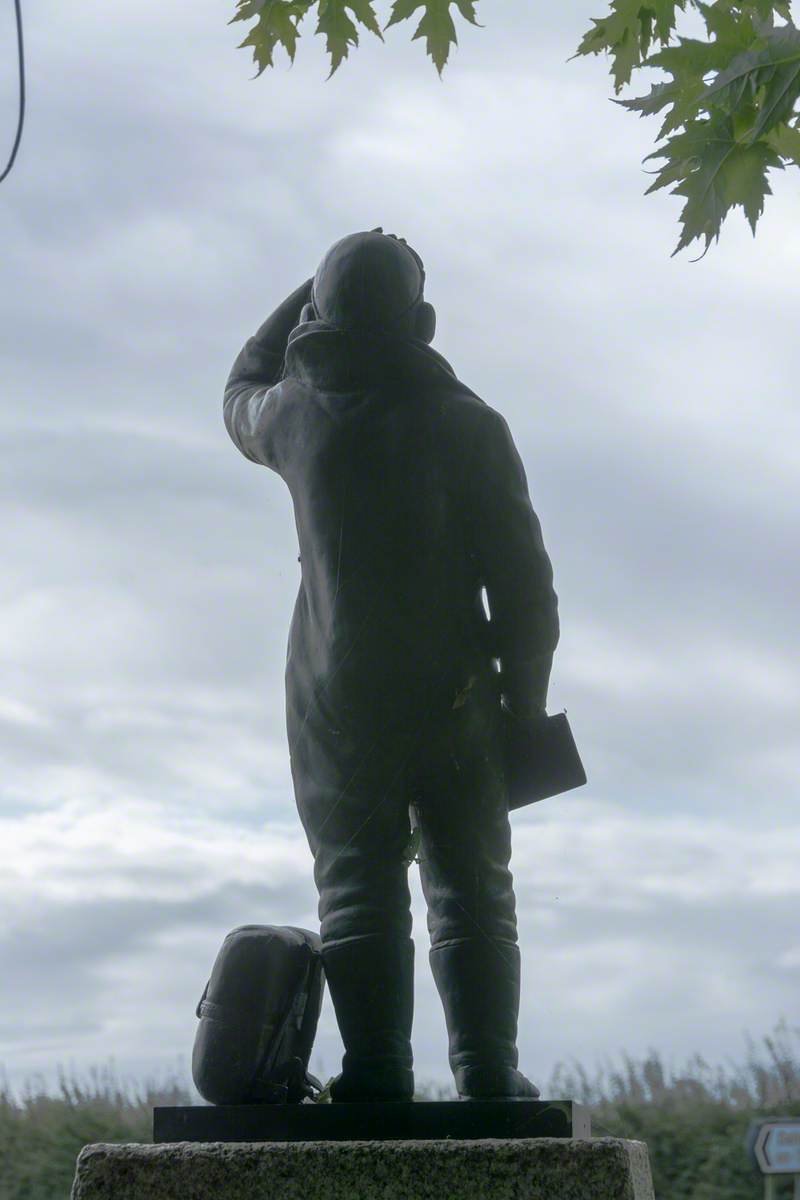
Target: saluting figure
[(412, 507)]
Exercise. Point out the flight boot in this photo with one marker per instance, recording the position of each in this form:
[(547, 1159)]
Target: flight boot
[(371, 980), (478, 980)]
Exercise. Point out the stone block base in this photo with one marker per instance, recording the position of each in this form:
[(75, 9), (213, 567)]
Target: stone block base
[(524, 1169)]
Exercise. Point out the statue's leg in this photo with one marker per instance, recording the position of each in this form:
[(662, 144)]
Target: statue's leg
[(354, 807), (464, 864)]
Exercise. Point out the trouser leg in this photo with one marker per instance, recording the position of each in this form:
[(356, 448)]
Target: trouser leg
[(355, 812), (368, 955), (464, 864)]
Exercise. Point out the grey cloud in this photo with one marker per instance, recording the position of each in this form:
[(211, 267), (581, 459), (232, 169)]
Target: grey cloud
[(162, 206)]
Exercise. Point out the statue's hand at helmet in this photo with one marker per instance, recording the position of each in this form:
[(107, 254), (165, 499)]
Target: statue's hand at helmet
[(288, 314)]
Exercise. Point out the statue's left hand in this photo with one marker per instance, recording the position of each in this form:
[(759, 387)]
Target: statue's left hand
[(274, 333), (299, 296)]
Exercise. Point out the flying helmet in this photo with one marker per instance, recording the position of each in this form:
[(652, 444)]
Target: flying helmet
[(372, 283)]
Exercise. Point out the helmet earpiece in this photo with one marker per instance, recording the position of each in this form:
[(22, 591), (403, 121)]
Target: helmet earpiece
[(425, 322)]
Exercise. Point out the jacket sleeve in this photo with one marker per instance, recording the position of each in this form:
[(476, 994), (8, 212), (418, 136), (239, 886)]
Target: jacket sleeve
[(248, 406), (514, 568)]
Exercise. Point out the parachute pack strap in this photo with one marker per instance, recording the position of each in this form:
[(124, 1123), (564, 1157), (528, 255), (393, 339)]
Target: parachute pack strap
[(198, 1012), (291, 1078), (207, 1008), (292, 1069), (300, 1005), (21, 118)]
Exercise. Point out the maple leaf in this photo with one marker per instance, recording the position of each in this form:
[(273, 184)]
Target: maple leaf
[(664, 16), (728, 106), (715, 172), (436, 24), (690, 58), (626, 33), (785, 139), (735, 30), (688, 62), (768, 75), (766, 8), (682, 96), (339, 29), (276, 25)]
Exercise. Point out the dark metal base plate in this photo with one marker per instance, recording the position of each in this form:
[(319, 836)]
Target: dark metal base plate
[(414, 1121)]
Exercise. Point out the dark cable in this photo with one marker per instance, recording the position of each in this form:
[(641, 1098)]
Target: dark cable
[(20, 123)]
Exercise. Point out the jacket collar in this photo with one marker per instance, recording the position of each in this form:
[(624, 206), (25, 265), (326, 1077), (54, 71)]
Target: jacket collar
[(332, 359)]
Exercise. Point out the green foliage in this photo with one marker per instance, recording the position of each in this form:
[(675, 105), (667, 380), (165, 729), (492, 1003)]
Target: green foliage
[(729, 105), (278, 21), (730, 102), (627, 33), (693, 1120), (715, 171), (339, 28), (436, 25), (278, 24), (41, 1133)]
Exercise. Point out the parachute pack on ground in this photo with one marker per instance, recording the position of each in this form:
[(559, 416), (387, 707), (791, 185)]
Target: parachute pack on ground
[(258, 1018)]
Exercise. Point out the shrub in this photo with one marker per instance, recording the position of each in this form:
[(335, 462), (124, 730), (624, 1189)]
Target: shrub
[(693, 1120)]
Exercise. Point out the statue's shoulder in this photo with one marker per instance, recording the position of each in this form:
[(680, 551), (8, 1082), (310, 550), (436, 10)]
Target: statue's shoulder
[(472, 406)]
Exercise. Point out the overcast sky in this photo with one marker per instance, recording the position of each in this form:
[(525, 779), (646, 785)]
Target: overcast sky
[(163, 203)]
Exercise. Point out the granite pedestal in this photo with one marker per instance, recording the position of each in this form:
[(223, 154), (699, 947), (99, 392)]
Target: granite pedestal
[(492, 1169)]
